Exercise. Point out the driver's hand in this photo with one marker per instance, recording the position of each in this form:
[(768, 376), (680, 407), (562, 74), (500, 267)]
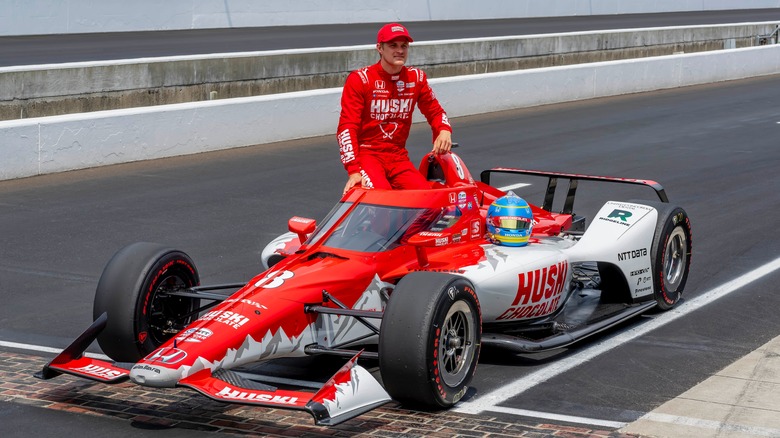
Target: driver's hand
[(353, 180), (443, 143)]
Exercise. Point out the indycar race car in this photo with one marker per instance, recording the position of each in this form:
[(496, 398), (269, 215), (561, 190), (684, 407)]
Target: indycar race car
[(407, 279)]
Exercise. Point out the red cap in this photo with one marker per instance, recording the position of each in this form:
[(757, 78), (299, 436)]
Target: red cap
[(391, 31)]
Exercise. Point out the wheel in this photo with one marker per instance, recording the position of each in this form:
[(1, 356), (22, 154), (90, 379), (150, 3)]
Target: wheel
[(132, 290), (429, 340), (670, 253)]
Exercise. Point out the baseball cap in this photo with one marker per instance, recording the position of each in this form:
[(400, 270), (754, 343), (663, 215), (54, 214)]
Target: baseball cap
[(391, 31)]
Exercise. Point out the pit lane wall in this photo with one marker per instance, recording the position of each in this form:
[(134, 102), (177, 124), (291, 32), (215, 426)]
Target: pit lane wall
[(31, 17), (44, 145), (56, 89)]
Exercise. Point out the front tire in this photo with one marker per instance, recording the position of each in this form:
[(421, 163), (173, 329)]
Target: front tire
[(430, 338), (132, 290)]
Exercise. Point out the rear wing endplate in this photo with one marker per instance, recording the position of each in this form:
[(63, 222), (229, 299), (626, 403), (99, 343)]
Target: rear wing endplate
[(574, 178)]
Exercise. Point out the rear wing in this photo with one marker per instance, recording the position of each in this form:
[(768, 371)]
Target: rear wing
[(574, 178)]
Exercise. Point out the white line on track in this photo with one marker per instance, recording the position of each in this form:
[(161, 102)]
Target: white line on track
[(44, 349), (558, 417), (491, 400)]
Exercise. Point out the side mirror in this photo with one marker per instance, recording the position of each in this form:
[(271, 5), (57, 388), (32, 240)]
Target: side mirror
[(429, 239), (302, 227)]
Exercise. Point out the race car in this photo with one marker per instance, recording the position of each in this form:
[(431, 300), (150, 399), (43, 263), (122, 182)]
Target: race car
[(414, 281)]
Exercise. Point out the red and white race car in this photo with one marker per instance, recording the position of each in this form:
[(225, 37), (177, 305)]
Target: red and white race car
[(404, 278)]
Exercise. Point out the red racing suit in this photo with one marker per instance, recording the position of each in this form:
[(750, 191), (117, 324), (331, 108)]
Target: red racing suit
[(376, 115)]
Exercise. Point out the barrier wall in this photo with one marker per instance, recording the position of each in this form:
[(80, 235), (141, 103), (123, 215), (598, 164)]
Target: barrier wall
[(47, 90), (53, 144), (30, 17)]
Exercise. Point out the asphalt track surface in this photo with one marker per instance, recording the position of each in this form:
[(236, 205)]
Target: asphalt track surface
[(44, 49), (714, 148)]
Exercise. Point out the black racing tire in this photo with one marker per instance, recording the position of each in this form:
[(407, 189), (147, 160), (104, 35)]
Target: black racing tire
[(429, 341), (131, 290), (670, 253)]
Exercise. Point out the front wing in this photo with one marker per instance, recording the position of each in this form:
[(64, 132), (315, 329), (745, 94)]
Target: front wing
[(350, 392)]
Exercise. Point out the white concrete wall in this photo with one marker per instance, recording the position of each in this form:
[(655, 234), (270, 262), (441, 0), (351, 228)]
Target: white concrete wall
[(53, 144), (29, 17)]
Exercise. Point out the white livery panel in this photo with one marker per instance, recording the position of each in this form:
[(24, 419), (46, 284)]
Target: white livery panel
[(621, 234), (540, 274)]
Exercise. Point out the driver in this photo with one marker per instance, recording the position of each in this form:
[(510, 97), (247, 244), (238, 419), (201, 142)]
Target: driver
[(509, 221), (376, 114)]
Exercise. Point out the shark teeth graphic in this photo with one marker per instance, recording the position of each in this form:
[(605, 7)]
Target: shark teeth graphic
[(493, 258), (328, 329)]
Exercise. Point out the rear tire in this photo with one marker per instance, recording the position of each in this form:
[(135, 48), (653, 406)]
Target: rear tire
[(429, 341), (670, 253), (141, 317)]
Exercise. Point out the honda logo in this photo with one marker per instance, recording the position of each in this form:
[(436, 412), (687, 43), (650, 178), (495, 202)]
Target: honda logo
[(379, 85), (167, 356)]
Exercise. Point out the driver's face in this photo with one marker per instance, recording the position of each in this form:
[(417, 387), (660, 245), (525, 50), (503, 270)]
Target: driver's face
[(394, 53)]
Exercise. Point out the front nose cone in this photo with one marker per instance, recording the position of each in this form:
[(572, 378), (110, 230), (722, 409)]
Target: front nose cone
[(151, 375)]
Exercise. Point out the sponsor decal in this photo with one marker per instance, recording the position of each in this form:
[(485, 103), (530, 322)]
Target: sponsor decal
[(301, 220), (618, 217), (538, 292), (145, 367), (644, 289), (453, 198), (643, 280), (274, 279), (451, 292), (366, 180), (445, 120), (228, 393), (228, 318), (621, 215), (194, 335), (476, 227), (345, 147), (640, 272), (401, 86), (398, 29), (441, 239), (383, 109), (167, 356), (101, 372), (446, 271), (379, 85), (634, 254)]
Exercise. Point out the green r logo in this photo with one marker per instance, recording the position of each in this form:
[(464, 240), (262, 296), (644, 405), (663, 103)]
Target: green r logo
[(620, 214)]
